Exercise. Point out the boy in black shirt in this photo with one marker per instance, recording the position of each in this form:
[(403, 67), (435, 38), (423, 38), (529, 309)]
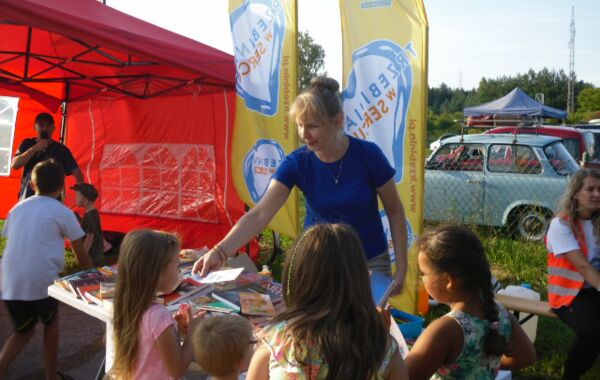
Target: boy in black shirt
[(85, 197)]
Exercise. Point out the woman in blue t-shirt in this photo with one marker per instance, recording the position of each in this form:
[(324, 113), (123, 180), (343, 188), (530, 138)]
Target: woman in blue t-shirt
[(341, 178)]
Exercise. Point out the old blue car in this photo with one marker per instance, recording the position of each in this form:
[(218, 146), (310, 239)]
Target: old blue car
[(498, 180)]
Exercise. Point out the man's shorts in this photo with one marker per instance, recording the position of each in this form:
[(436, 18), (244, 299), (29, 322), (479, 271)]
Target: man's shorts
[(25, 314)]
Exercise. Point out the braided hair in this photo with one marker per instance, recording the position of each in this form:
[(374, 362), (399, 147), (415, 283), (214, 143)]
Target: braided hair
[(458, 252)]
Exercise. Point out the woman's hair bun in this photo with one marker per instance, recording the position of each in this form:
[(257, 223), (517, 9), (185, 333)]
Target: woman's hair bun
[(324, 83)]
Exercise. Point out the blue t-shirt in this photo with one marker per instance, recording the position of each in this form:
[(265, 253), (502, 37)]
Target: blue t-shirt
[(353, 200)]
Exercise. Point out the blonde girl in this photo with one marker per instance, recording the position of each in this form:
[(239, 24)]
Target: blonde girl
[(330, 328), (145, 333), (477, 336), (574, 269)]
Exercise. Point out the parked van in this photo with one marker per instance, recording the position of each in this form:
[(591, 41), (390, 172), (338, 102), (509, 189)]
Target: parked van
[(577, 141)]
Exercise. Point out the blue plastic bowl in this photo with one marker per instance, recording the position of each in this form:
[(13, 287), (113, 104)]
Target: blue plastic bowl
[(411, 326)]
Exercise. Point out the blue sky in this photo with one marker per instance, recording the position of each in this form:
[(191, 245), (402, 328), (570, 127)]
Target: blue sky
[(468, 39)]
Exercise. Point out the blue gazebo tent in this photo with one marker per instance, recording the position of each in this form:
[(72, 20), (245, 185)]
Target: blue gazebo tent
[(516, 104)]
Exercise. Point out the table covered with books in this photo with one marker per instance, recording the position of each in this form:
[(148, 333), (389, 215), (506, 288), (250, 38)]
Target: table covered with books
[(255, 296)]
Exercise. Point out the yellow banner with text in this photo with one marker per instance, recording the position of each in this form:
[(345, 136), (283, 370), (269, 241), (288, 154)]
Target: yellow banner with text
[(264, 37), (385, 101)]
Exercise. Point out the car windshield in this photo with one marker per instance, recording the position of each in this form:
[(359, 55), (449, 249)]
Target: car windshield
[(560, 159)]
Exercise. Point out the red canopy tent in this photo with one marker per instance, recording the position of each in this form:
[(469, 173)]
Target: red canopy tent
[(147, 113)]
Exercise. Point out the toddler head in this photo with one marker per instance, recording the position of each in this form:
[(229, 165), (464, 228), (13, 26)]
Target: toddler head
[(224, 344)]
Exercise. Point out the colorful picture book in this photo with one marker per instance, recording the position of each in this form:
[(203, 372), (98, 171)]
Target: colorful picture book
[(207, 302), (87, 277), (187, 288), (109, 272), (229, 297), (254, 283), (90, 293), (269, 288), (256, 304), (243, 279), (107, 289)]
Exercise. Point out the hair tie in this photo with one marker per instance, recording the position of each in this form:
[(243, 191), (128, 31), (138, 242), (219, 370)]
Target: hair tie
[(292, 259)]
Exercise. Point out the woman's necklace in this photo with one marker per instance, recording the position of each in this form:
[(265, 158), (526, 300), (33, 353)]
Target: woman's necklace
[(336, 178)]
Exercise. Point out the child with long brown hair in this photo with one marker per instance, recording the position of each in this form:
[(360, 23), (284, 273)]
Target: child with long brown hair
[(477, 336), (330, 328), (146, 343)]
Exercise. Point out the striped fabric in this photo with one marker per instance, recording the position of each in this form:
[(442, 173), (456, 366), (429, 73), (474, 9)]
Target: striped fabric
[(564, 280)]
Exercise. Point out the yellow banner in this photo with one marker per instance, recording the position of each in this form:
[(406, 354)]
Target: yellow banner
[(385, 101), (264, 37)]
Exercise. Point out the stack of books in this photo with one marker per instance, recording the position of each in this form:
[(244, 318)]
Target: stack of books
[(250, 294), (91, 285)]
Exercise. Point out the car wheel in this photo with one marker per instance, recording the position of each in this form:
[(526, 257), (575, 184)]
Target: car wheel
[(532, 223)]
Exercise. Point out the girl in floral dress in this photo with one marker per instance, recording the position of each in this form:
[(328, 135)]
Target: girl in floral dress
[(330, 328), (477, 337)]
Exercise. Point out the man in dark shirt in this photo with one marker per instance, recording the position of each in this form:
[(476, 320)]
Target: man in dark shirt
[(34, 150)]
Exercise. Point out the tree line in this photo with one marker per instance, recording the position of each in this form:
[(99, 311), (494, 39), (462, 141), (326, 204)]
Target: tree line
[(446, 104)]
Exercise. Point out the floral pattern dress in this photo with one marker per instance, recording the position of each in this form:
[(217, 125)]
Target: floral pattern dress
[(283, 365), (472, 363)]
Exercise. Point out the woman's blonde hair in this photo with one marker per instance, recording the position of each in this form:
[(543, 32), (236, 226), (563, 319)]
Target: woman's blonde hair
[(568, 208), (143, 257), (321, 100)]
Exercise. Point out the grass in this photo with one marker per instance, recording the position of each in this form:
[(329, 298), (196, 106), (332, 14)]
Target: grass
[(513, 262)]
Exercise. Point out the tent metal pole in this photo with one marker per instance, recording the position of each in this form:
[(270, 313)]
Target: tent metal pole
[(63, 121), (27, 54)]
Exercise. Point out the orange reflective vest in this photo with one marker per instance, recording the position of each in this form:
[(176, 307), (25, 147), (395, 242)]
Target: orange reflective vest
[(564, 280)]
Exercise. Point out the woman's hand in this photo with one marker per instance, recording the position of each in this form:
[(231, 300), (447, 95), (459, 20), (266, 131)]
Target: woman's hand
[(208, 263), (399, 277)]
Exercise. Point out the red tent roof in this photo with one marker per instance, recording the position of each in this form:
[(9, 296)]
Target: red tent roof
[(97, 50)]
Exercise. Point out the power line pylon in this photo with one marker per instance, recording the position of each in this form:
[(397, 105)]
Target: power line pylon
[(571, 82)]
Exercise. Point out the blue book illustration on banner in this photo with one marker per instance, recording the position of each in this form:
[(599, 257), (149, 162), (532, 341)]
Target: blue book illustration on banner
[(381, 286)]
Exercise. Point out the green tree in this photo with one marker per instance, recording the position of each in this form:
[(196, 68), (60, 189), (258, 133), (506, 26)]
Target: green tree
[(589, 99), (311, 59), (551, 83)]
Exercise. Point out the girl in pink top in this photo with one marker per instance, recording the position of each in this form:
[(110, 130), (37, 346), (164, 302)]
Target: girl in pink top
[(146, 341)]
